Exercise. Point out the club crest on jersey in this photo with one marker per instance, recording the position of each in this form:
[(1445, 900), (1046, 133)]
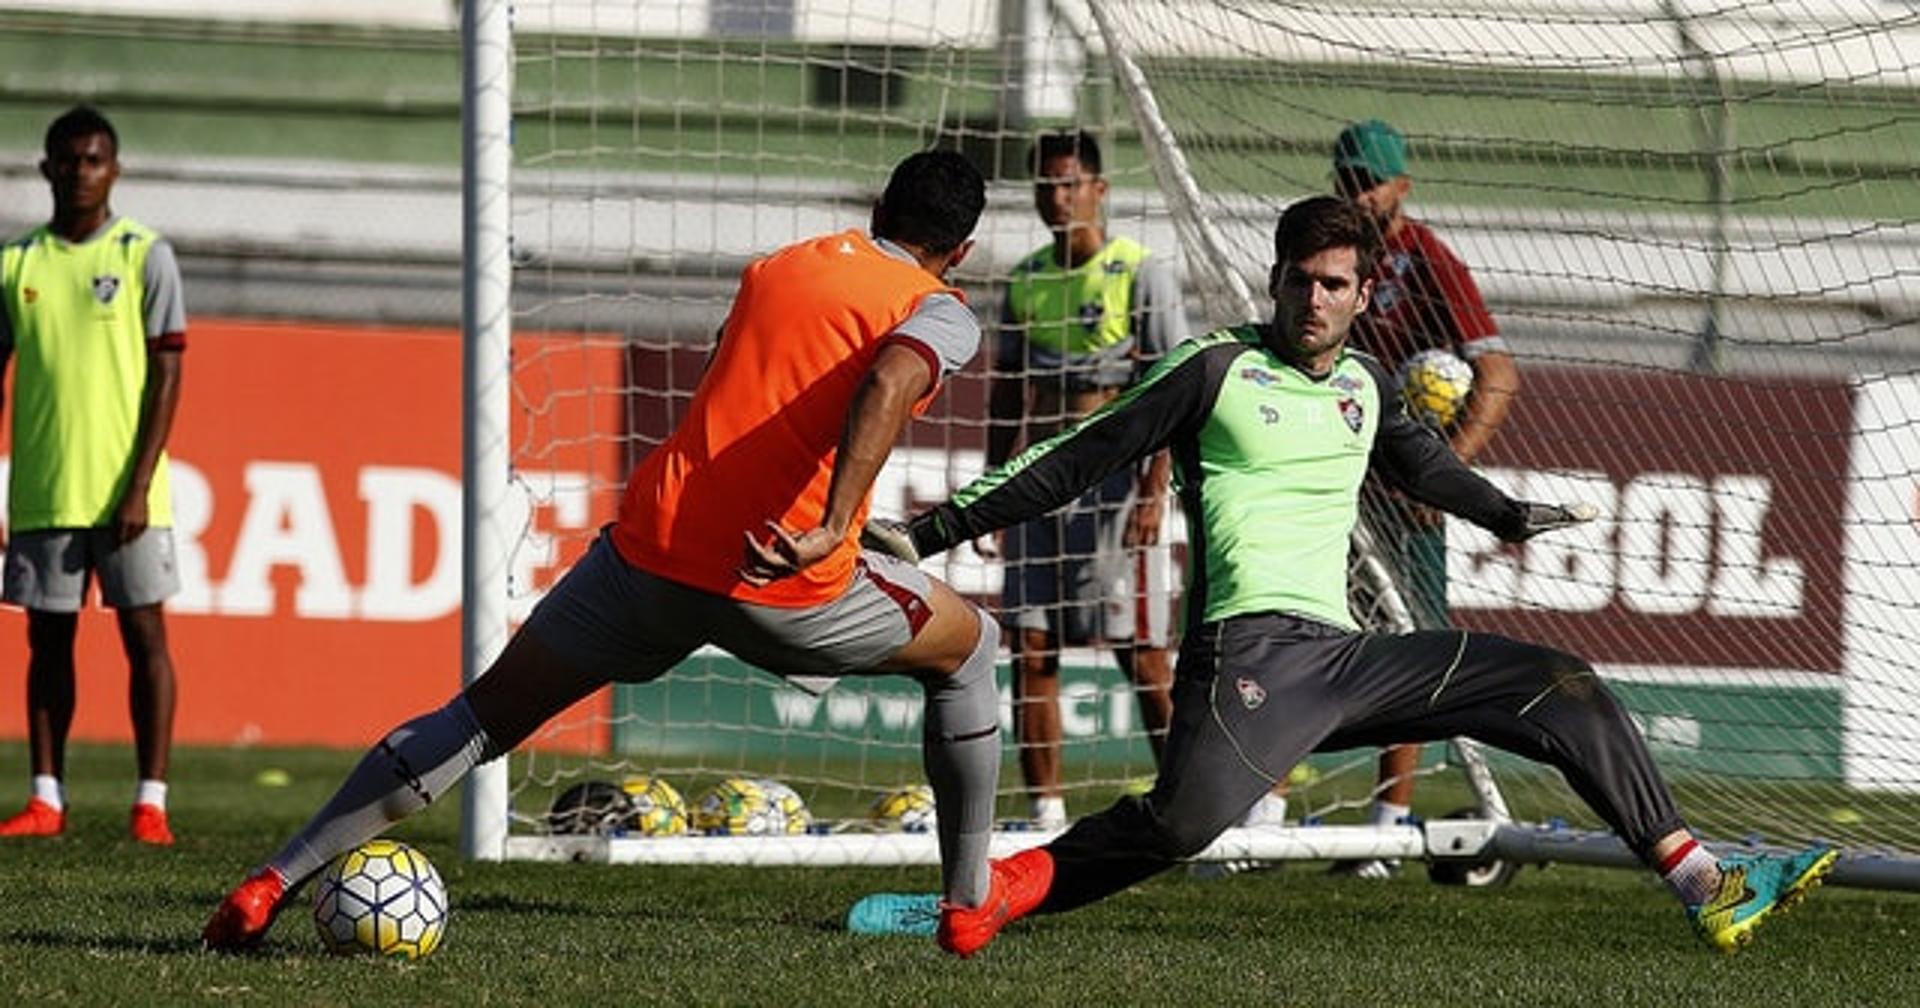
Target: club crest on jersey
[(1353, 413), (1092, 314), (1252, 694), (104, 288)]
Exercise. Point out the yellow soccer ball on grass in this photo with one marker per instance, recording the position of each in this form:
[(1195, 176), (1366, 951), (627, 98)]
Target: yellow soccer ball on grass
[(383, 897)]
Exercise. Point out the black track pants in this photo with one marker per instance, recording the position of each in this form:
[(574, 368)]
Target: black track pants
[(1254, 694)]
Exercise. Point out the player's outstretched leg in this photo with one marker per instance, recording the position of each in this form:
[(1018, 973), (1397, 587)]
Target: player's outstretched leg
[(1755, 886), (399, 776)]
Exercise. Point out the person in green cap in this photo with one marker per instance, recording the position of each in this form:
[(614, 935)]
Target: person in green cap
[(1423, 299)]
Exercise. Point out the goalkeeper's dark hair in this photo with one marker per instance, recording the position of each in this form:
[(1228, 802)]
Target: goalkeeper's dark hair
[(79, 121), (1318, 223), (1065, 143), (932, 201)]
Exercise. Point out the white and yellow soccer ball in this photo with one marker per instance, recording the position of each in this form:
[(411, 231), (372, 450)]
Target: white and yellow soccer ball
[(382, 897), (907, 809), (1435, 385), (657, 808), (745, 807), (793, 811)]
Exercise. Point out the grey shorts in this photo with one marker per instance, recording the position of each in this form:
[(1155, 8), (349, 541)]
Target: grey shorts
[(609, 617), (1071, 573), (47, 569)]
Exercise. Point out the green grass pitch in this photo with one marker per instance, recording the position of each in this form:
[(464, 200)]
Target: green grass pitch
[(91, 918)]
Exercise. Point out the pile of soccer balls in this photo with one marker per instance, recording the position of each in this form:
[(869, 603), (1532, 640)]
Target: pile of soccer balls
[(651, 807), (647, 806)]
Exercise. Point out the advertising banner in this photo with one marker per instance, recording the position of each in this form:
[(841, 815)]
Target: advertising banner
[(316, 476)]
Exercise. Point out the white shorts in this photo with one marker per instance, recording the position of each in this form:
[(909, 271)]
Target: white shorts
[(609, 617), (47, 569)]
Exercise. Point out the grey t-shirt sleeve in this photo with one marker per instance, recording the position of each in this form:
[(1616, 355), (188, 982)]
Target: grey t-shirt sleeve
[(1159, 318), (945, 325), (165, 305)]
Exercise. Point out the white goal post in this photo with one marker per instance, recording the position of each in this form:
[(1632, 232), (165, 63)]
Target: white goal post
[(1694, 224)]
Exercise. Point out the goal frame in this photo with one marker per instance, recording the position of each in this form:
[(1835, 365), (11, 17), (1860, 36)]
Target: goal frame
[(489, 529)]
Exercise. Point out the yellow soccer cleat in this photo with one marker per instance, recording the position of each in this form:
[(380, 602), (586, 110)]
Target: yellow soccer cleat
[(1752, 887)]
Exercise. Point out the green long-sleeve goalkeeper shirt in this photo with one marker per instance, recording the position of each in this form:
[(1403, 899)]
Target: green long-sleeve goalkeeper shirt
[(1268, 461)]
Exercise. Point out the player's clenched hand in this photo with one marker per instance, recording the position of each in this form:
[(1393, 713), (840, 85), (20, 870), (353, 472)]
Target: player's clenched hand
[(1553, 517), (889, 536), (1143, 522), (784, 554)]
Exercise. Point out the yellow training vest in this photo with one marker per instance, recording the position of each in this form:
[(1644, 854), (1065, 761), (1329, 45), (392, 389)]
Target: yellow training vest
[(80, 376)]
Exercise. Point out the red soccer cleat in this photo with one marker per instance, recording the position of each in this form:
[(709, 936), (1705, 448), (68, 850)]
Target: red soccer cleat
[(243, 917), (1019, 884), (149, 825), (37, 819)]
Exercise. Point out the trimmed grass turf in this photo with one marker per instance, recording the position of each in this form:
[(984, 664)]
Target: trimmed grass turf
[(94, 919)]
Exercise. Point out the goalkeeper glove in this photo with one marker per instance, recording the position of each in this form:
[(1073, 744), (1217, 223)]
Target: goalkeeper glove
[(887, 535), (1537, 518)]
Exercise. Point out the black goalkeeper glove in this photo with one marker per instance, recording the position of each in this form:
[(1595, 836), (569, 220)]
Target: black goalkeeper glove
[(1536, 518)]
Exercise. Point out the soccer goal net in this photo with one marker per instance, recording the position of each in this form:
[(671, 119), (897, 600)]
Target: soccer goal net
[(1693, 225)]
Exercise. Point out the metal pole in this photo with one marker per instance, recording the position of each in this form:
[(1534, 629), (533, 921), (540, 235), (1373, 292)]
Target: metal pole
[(486, 325)]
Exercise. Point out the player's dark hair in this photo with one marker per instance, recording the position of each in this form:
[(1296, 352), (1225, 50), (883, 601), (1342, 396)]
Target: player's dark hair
[(1065, 143), (79, 121), (932, 201), (1318, 223)]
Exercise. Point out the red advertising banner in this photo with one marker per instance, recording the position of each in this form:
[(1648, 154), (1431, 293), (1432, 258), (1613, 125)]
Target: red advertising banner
[(316, 473), (1722, 535)]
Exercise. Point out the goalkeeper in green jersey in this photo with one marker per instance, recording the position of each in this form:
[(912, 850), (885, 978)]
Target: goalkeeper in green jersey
[(1272, 428)]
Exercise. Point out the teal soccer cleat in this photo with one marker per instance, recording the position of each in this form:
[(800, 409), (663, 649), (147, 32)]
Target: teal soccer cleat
[(916, 914), (1752, 887)]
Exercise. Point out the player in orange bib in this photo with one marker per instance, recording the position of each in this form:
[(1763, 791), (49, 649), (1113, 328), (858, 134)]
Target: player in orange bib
[(742, 530)]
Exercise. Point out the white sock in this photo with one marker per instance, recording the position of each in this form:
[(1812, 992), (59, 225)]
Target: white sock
[(1268, 810), (46, 787), (1050, 810), (1692, 872), (151, 792), (1386, 813)]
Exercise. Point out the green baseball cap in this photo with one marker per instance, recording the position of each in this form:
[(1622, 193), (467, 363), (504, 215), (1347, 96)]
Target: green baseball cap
[(1374, 146)]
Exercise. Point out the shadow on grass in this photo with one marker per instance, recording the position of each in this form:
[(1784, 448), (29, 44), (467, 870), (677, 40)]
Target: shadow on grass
[(42, 939)]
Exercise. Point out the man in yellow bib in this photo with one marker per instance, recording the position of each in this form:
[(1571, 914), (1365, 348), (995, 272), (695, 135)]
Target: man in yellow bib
[(1084, 316), (94, 318)]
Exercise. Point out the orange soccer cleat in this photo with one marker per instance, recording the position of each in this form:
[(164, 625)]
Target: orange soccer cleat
[(243, 917), (37, 819), (1019, 884), (149, 825)]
